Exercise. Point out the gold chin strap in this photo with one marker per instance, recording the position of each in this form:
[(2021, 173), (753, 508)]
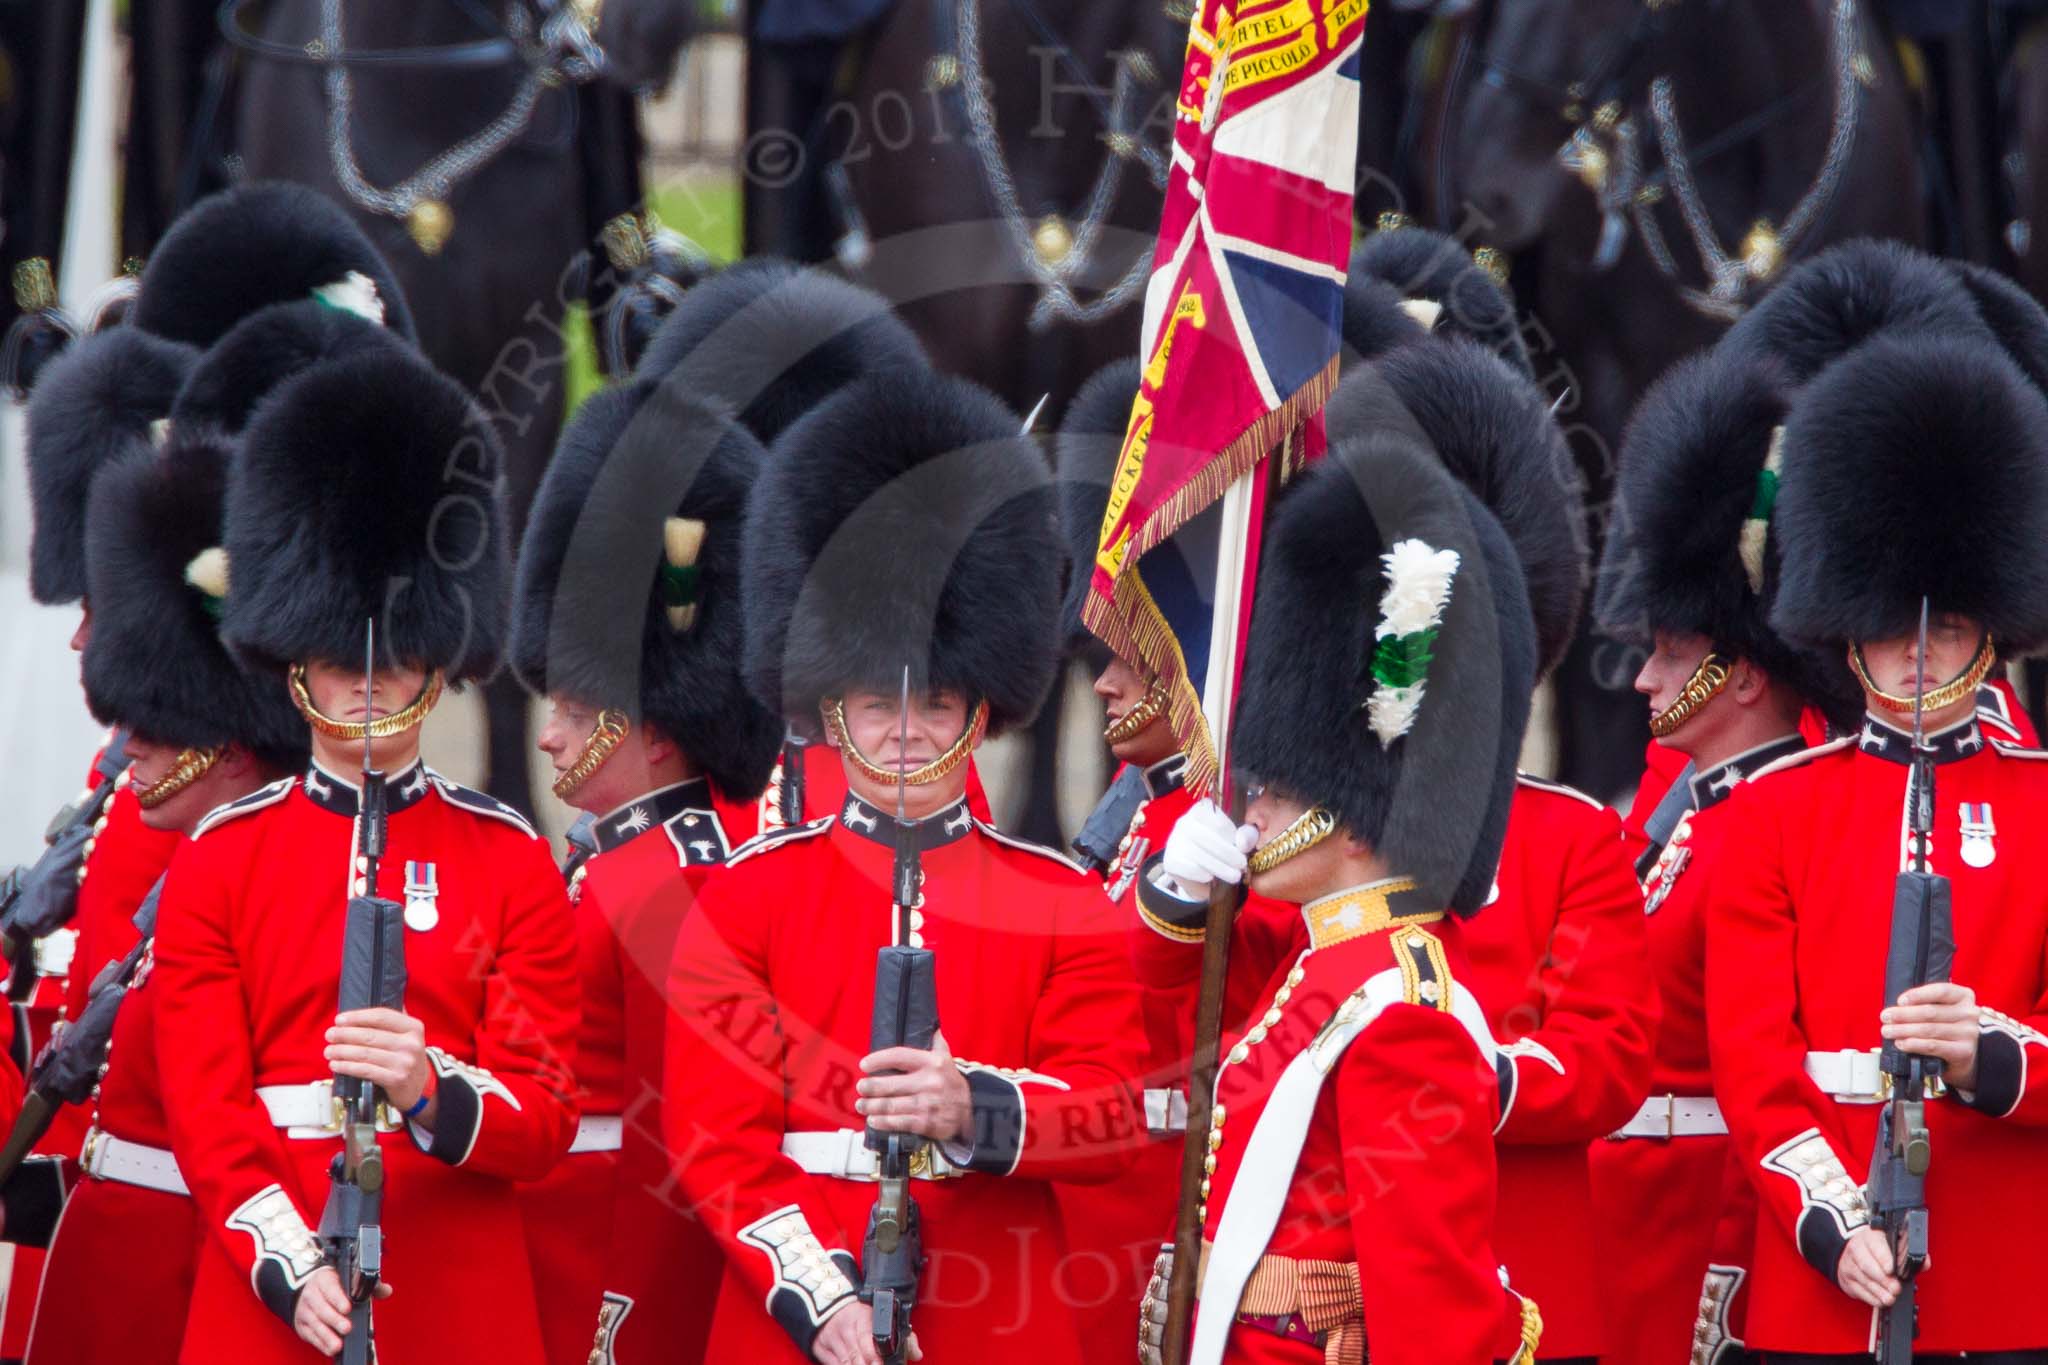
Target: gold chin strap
[(383, 727), (1948, 694), (191, 765), (1310, 828), (977, 724), (1135, 721), (1702, 687), (605, 738)]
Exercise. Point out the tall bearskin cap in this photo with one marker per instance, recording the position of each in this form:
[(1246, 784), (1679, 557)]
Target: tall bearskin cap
[(904, 521), (770, 340), (628, 592), (260, 243), (1831, 303), (1377, 318), (1428, 267), (155, 570), (369, 486), (1493, 430), (1693, 547), (2014, 316), (1915, 467), (1433, 801), (93, 405), (262, 351)]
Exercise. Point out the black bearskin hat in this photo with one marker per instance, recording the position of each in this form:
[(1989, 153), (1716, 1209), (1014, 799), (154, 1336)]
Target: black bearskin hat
[(2015, 318), (1917, 466), (259, 243), (92, 405), (369, 486), (1433, 801), (1377, 318), (628, 591), (154, 567), (770, 341), (1832, 302), (904, 521), (262, 351), (1492, 429), (1686, 535), (1417, 265)]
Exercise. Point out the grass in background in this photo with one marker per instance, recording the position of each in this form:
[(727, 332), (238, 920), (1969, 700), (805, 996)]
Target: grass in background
[(704, 208)]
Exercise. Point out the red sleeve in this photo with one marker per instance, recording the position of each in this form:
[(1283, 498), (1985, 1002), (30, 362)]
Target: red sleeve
[(1415, 1108), (503, 1098), (231, 1155), (1583, 1070), (1164, 940), (1788, 1135), (724, 1110)]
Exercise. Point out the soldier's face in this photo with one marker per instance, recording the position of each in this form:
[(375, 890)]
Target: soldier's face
[(1121, 688), (1307, 874), (1674, 658), (83, 634), (1896, 666), (153, 761), (623, 777), (337, 691), (876, 725)]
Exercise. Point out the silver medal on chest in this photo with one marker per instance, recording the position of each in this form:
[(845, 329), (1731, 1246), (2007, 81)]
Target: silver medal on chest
[(1978, 833), (422, 894)]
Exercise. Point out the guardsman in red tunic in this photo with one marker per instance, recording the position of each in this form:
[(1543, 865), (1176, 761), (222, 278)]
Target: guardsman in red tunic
[(1688, 572), (1349, 1206), (203, 734), (367, 487), (1559, 959), (901, 530), (1915, 471), (652, 733)]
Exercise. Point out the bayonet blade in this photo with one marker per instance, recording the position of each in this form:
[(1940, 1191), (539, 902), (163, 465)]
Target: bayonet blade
[(902, 745)]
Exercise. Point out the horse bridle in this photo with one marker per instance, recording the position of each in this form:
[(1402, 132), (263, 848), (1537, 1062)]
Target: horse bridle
[(499, 50), (1605, 85)]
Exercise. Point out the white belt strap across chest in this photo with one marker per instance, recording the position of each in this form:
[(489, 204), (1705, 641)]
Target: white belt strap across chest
[(106, 1157), (1674, 1116), (1266, 1172)]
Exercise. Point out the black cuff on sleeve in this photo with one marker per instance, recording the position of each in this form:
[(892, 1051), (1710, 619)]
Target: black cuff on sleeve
[(1166, 907), (457, 1113), (1821, 1241), (792, 1312), (1508, 1079), (2001, 1070), (998, 1123), (275, 1288), (33, 1197)]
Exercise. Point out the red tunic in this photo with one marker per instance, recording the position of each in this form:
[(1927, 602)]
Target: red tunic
[(248, 959), (596, 1236), (1795, 966), (770, 997), (1396, 1171), (1559, 963), (104, 1221), (1670, 1211)]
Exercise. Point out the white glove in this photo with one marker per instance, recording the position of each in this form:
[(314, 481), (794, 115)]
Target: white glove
[(1206, 847)]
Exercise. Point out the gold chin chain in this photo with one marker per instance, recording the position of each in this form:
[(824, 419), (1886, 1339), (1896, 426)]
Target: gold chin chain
[(977, 723), (191, 765), (1133, 722), (1310, 828), (605, 738), (383, 727), (1702, 687), (1948, 694)]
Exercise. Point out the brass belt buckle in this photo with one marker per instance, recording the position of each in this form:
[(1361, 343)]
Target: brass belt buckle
[(1670, 1117), (91, 1150)]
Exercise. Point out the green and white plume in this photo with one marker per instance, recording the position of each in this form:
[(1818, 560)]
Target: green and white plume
[(1418, 590)]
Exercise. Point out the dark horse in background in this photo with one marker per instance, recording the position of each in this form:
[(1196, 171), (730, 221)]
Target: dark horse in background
[(521, 228), (1527, 159)]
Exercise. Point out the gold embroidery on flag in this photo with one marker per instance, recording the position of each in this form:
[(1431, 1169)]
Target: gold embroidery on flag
[(1255, 68), (1270, 25), (1339, 15)]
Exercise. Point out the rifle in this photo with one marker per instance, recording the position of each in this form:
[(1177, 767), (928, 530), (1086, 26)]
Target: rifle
[(372, 976), (906, 1014), (1922, 949), (68, 1067), (40, 899)]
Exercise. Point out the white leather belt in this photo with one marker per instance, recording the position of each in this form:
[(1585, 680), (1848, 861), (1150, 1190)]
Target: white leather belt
[(1851, 1077), (54, 951), (843, 1155), (313, 1111), (1166, 1112), (1674, 1116), (598, 1133), (106, 1157)]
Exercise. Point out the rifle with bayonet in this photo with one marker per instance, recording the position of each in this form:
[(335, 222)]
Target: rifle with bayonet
[(372, 976), (1922, 949), (906, 1014), (68, 1068), (41, 898)]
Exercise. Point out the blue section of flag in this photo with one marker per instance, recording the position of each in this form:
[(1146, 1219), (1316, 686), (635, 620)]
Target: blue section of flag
[(1350, 67), (1295, 316)]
